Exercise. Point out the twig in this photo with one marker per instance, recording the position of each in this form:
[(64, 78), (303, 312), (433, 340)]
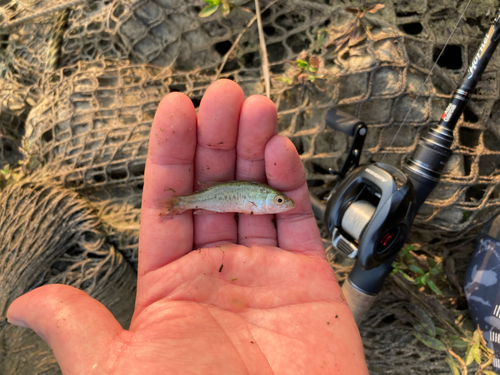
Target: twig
[(263, 50), (237, 40), (8, 137), (56, 36), (460, 360)]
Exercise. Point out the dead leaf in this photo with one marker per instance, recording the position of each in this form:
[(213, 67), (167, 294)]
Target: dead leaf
[(352, 10), (375, 8), (304, 77), (356, 36), (314, 62)]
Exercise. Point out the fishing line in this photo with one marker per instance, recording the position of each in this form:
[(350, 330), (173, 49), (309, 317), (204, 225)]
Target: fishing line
[(425, 82)]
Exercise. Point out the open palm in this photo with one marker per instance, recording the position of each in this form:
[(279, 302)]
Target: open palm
[(215, 293)]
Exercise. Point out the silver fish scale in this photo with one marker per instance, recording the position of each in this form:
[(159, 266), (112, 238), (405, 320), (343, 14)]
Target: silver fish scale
[(235, 196)]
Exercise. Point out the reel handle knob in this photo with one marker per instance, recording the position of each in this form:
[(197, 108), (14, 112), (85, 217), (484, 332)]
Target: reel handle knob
[(341, 121)]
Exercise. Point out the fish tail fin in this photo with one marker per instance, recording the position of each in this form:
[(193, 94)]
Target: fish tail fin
[(169, 207)]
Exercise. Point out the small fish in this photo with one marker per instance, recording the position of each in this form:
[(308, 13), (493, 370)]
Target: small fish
[(235, 196)]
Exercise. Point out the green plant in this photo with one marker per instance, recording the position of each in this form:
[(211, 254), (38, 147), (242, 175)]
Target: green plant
[(439, 328), (477, 351), (321, 34), (307, 69), (9, 175), (213, 5), (423, 268)]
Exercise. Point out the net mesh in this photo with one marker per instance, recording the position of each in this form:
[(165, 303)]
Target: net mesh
[(88, 120), (69, 247)]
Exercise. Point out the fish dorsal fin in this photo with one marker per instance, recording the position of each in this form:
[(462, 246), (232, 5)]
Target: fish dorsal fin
[(202, 185)]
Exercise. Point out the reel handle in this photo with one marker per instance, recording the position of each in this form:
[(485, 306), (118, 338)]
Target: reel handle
[(342, 121), (350, 125)]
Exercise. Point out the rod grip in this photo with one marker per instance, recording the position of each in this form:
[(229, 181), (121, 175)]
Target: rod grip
[(358, 302)]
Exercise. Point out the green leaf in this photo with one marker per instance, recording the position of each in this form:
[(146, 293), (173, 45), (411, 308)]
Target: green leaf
[(488, 372), (417, 269), (475, 338), (424, 328), (5, 171), (302, 64), (321, 36), (458, 343), (311, 78), (425, 323), (212, 2), (433, 287), (471, 353), (395, 267), (406, 250), (418, 280), (452, 364), (407, 277), (468, 356), (425, 279), (441, 331), (429, 341), (436, 269), (225, 9), (476, 353), (287, 80), (208, 11)]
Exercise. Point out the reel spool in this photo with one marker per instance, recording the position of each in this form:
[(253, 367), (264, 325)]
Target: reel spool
[(370, 213), (356, 218)]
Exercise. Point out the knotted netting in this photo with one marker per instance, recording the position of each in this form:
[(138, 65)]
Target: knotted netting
[(38, 247), (81, 82)]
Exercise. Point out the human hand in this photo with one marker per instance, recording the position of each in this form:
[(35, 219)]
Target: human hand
[(274, 307)]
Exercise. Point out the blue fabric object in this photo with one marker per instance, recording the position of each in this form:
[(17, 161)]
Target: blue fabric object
[(482, 281)]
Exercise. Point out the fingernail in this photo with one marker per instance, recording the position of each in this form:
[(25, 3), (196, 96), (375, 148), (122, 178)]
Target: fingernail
[(18, 323)]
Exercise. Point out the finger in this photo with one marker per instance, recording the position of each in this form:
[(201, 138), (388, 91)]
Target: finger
[(169, 171), (258, 124), (297, 228), (78, 328), (218, 118)]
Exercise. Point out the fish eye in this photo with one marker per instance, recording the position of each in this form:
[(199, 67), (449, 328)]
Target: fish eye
[(279, 199)]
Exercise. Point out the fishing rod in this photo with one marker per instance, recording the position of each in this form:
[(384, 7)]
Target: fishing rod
[(370, 212)]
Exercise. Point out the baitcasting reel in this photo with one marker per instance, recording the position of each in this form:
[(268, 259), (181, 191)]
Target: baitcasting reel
[(370, 212)]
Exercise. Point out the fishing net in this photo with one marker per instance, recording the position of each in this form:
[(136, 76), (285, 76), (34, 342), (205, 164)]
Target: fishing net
[(82, 81), (38, 247)]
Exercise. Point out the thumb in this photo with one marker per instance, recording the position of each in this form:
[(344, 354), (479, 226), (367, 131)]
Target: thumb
[(78, 328)]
